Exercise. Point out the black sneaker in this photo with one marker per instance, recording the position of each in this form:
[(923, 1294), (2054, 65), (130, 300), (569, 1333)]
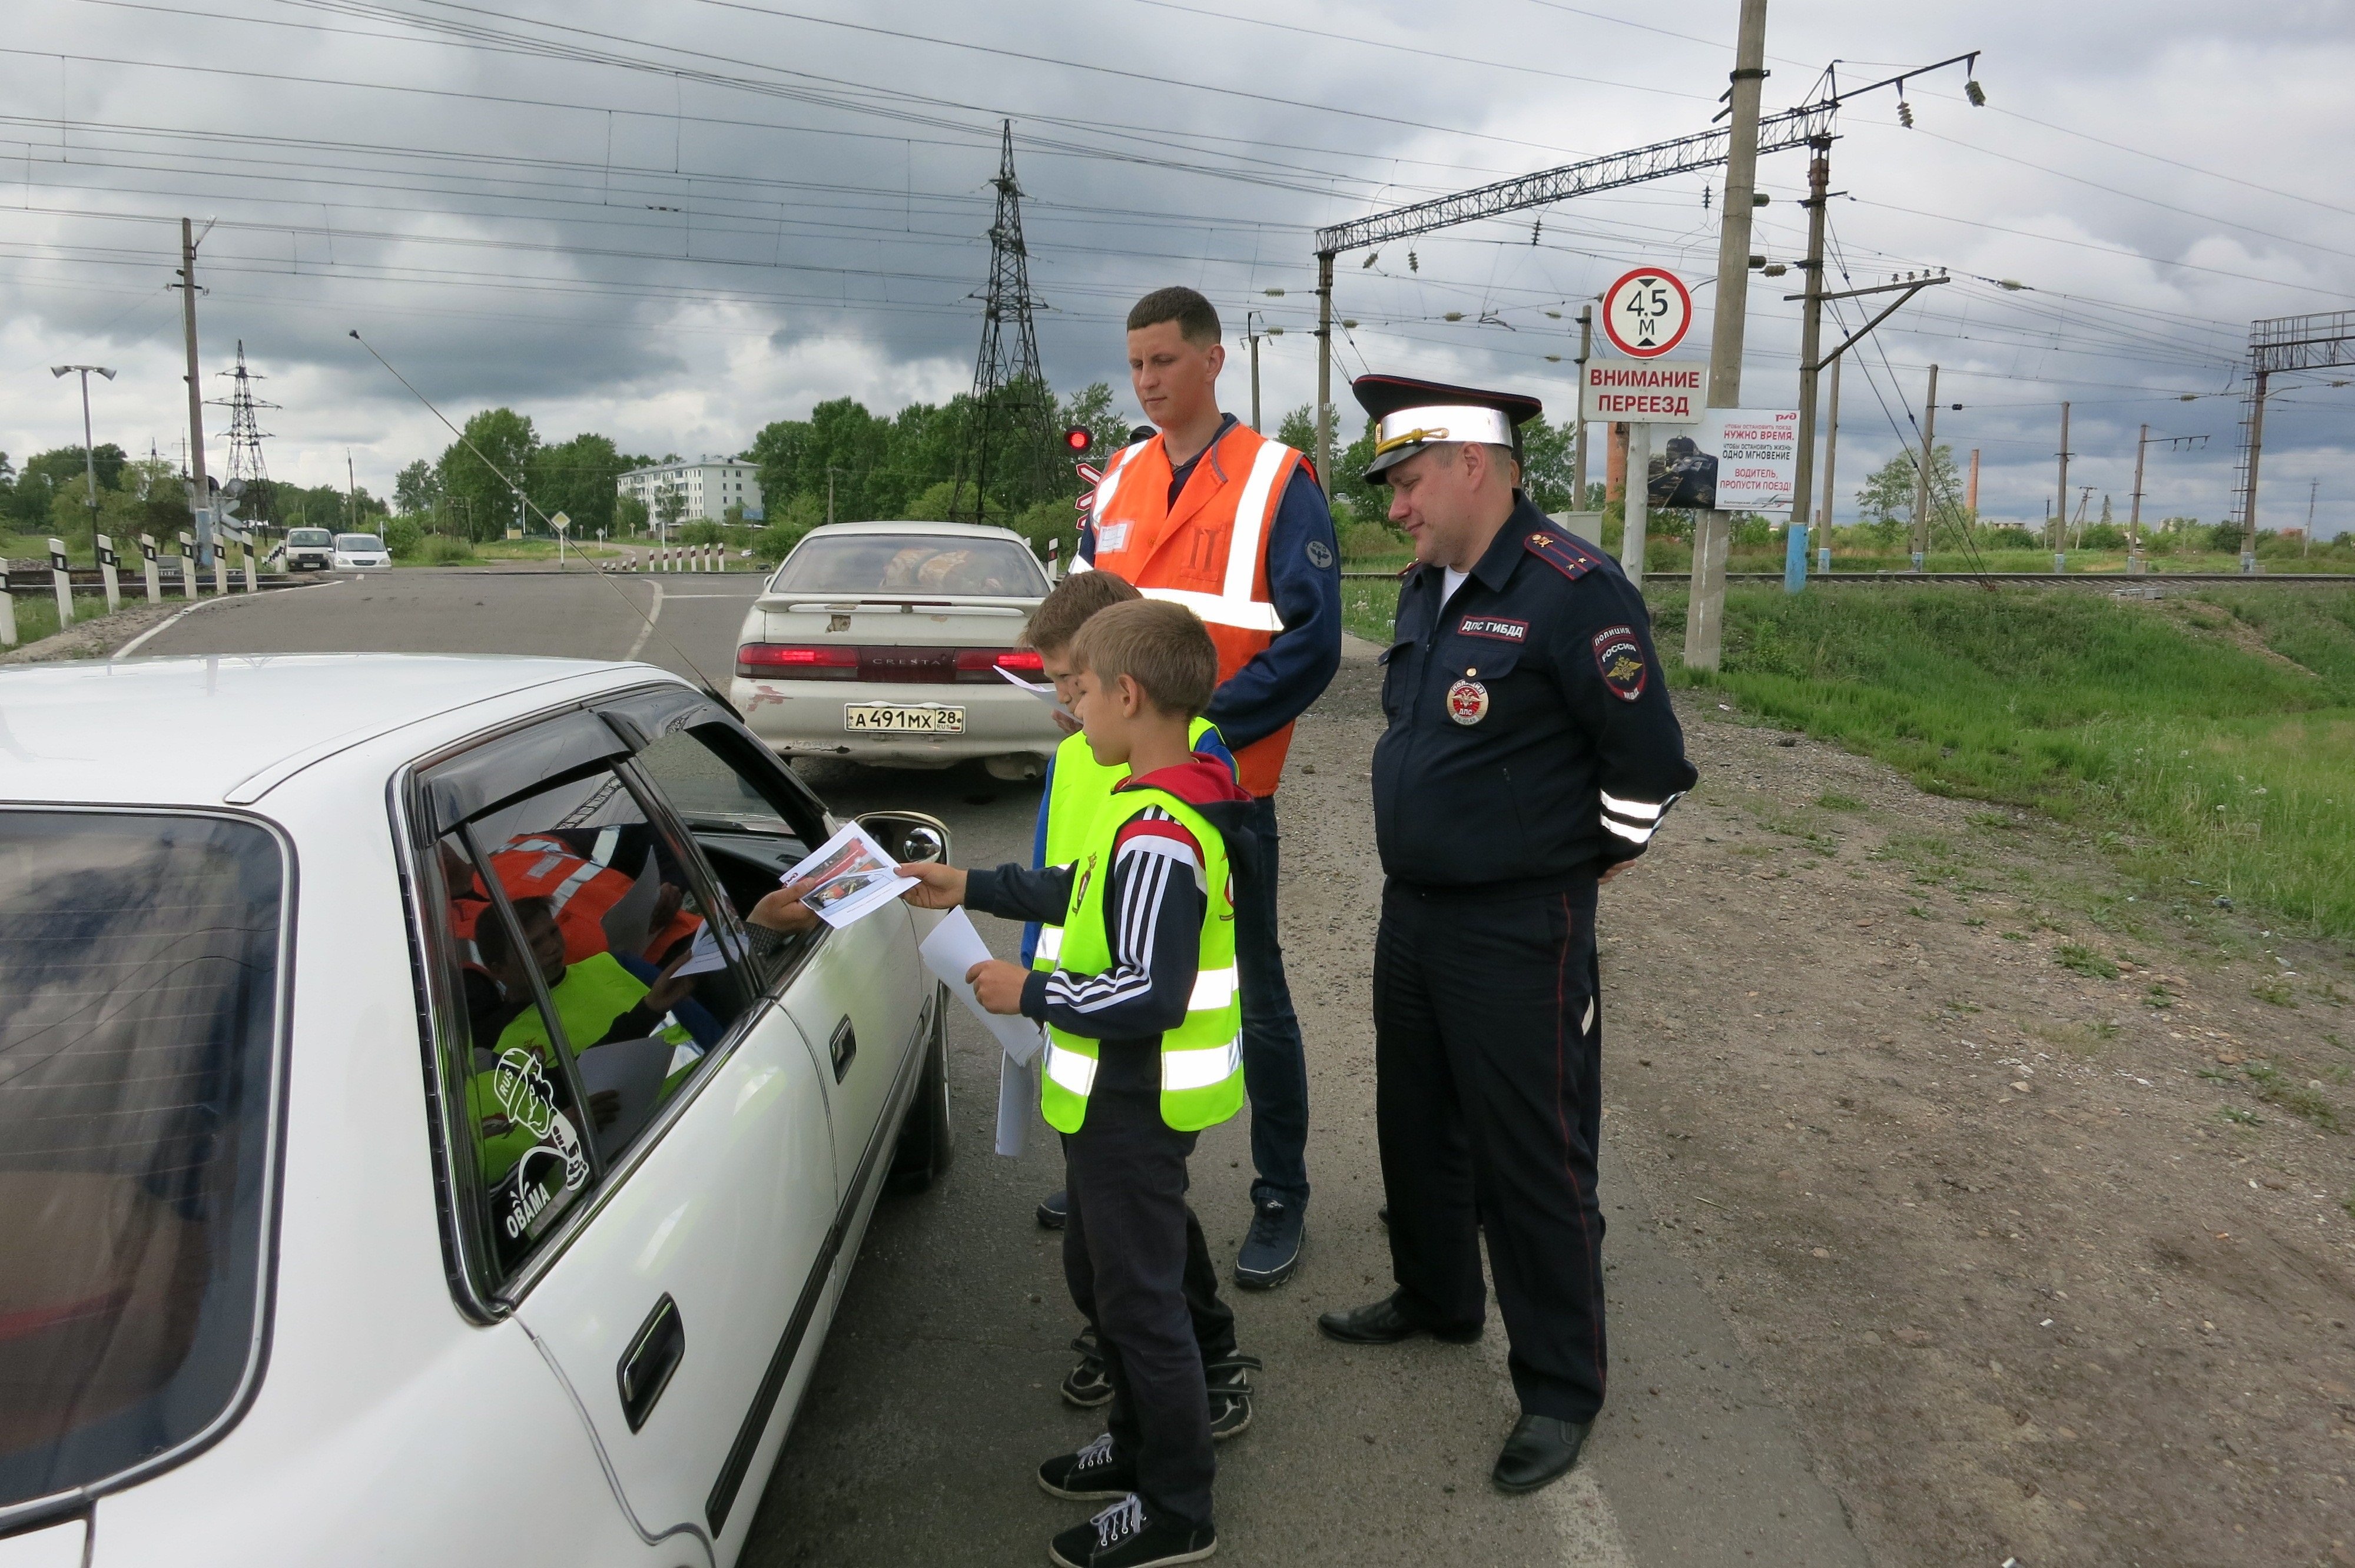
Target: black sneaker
[(1271, 1250), (1053, 1209), (1092, 1475), (1230, 1395), (1122, 1537), (1088, 1386)]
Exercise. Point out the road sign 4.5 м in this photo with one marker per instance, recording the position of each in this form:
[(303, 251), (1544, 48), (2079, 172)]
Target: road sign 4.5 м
[(1646, 313), (1645, 392)]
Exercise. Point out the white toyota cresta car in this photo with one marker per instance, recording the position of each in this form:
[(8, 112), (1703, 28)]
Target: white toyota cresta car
[(407, 1154)]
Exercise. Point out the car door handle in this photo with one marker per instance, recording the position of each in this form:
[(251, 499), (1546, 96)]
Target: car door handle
[(844, 1047), (654, 1352)]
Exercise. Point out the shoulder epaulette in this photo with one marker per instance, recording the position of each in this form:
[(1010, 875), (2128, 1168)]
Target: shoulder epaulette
[(1573, 557)]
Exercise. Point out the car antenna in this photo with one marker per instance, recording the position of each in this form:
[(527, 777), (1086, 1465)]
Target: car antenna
[(709, 690)]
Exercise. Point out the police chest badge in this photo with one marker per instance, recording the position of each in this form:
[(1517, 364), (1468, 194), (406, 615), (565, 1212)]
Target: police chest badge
[(1467, 700), (1620, 657)]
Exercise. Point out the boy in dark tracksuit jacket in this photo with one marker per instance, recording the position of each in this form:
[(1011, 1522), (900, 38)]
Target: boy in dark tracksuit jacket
[(1144, 1027)]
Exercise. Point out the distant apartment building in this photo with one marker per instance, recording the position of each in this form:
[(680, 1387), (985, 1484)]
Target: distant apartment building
[(705, 487)]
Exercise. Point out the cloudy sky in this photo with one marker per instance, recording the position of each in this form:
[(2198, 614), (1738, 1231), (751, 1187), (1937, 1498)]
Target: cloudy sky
[(674, 221)]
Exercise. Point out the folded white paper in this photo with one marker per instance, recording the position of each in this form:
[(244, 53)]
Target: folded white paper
[(1017, 1099), (704, 957), (1045, 694), (955, 947)]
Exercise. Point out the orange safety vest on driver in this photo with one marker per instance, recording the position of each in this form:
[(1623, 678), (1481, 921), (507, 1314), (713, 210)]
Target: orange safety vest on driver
[(1208, 553)]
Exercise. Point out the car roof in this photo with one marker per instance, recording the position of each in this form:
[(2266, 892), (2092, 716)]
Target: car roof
[(946, 530), (192, 731)]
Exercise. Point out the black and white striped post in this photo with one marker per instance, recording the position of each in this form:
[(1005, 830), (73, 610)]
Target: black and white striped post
[(7, 609), (147, 559), (187, 565), (108, 561), (62, 580)]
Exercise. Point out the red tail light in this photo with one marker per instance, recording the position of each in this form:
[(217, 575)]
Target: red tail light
[(790, 661), (982, 663)]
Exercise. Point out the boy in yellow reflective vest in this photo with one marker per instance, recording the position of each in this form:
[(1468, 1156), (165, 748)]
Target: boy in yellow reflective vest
[(1077, 787), (1144, 1050)]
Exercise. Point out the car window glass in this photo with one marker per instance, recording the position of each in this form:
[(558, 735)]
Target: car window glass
[(599, 933), (743, 816), (910, 563), (138, 1023)]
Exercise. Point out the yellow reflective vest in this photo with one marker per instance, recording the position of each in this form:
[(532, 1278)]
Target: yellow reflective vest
[(1202, 1058), (1079, 789)]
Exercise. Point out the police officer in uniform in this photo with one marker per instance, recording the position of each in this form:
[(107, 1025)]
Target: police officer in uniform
[(1530, 754)]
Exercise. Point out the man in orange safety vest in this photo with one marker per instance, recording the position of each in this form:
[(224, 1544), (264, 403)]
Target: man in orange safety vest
[(1210, 514)]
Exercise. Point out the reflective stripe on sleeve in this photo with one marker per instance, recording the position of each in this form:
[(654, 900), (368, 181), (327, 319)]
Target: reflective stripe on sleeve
[(1072, 1070), (1634, 810), (1633, 835), (1212, 989), (1182, 1070), (1217, 610)]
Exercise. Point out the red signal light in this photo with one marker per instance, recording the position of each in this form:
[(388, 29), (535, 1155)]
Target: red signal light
[(1078, 438)]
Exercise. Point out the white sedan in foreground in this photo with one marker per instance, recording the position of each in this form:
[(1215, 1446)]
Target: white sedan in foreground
[(883, 642), (407, 1155)]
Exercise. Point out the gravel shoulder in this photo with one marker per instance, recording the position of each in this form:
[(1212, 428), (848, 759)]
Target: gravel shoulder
[(2021, 1182)]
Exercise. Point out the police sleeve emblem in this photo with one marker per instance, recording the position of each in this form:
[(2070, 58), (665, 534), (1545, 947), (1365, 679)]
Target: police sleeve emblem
[(1620, 658), (1320, 554)]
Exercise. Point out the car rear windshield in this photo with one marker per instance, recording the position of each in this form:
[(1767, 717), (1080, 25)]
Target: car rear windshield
[(358, 544), (911, 564), (138, 1022), (309, 536)]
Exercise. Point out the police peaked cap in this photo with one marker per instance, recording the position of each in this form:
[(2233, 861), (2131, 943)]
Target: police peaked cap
[(1410, 415)]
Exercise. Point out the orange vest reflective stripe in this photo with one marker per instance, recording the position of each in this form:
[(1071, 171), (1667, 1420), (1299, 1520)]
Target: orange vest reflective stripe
[(1208, 553)]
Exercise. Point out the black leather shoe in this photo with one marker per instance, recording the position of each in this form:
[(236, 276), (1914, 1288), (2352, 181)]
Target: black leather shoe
[(1540, 1450), (1384, 1323)]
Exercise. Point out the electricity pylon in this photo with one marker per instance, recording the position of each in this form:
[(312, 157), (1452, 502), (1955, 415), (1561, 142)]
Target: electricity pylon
[(1012, 414)]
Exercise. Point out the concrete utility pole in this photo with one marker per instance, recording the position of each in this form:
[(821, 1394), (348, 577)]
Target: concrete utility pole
[(89, 453), (2134, 503), (2314, 490), (1922, 462), (200, 501), (1811, 335), (1585, 352), (1831, 456), (1325, 371), (1251, 334), (2060, 507), (1705, 617)]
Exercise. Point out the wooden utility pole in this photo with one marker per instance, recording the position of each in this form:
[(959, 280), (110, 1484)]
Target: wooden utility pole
[(1831, 458), (1705, 617), (1585, 351), (200, 502), (1811, 333), (2060, 507), (1923, 462), (1971, 493)]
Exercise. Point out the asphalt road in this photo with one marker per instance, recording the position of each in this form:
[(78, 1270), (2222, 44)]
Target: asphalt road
[(936, 1395)]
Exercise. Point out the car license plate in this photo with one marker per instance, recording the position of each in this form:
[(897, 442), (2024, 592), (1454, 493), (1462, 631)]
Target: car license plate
[(867, 718)]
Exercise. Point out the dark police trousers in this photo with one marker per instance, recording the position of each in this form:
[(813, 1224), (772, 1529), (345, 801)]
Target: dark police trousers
[(1488, 1056), (1125, 1248)]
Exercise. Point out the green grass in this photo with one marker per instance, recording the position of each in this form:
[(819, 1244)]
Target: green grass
[(2219, 731)]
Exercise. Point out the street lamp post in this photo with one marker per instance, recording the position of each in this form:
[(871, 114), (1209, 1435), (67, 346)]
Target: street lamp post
[(89, 453)]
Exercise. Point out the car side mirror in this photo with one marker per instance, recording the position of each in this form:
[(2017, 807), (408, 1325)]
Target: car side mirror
[(909, 837)]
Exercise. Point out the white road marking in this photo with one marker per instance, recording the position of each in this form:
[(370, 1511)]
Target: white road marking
[(654, 613), (172, 619)]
